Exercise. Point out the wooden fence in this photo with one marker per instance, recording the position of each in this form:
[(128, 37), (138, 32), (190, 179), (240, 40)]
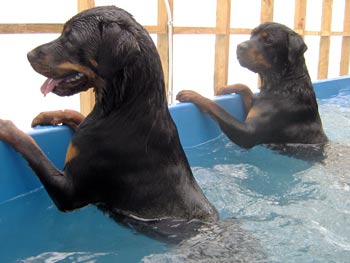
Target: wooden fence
[(223, 31)]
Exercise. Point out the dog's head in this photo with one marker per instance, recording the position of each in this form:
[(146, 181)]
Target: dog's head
[(272, 46), (93, 46)]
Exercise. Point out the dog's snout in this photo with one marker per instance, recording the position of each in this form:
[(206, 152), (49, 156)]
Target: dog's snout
[(242, 47), (31, 55), (38, 53)]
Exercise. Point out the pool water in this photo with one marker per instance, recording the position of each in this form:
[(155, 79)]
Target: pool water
[(298, 211)]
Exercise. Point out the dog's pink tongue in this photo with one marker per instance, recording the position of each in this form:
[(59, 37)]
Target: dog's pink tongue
[(49, 85)]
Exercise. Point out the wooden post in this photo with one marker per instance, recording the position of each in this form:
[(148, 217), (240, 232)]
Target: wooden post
[(87, 98), (300, 16), (266, 14), (325, 40), (163, 38), (345, 51), (222, 43)]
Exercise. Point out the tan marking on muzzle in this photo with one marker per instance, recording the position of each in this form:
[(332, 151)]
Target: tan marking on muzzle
[(264, 34), (260, 60), (93, 63), (78, 68)]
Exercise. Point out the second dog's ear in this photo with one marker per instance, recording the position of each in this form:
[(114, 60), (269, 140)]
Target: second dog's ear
[(118, 48), (296, 47)]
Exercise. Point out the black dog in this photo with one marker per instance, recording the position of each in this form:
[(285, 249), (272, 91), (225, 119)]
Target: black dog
[(125, 156), (285, 111)]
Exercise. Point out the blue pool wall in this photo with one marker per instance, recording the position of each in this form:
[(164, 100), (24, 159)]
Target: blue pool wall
[(194, 128)]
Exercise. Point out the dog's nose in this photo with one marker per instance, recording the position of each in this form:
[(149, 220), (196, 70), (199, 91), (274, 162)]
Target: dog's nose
[(242, 50), (242, 46), (31, 55)]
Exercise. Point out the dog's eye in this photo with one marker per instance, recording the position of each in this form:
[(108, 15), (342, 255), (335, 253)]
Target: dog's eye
[(268, 41)]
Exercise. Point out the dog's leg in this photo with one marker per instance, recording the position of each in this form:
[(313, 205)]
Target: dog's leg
[(240, 89), (241, 133), (58, 184), (66, 117)]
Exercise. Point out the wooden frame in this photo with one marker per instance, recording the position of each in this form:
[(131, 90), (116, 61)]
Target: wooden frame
[(223, 31), (87, 98)]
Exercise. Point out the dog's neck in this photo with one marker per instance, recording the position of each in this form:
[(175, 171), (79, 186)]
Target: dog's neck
[(286, 80), (134, 84)]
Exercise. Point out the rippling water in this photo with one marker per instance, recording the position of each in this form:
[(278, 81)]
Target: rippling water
[(297, 210)]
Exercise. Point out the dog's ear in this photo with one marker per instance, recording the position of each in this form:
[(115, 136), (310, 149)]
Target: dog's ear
[(296, 47), (117, 49)]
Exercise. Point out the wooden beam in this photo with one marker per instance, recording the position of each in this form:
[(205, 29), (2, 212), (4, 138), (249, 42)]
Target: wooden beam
[(325, 40), (222, 43), (30, 28), (345, 51), (87, 98), (85, 4), (266, 14), (197, 30), (57, 28), (163, 39), (300, 16)]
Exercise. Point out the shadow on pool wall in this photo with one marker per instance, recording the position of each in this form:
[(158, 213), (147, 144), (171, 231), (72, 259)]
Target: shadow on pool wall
[(194, 128)]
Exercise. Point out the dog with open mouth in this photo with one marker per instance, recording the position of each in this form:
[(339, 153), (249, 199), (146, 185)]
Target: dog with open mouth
[(125, 156)]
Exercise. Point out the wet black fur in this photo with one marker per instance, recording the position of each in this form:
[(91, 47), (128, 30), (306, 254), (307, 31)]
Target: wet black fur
[(286, 105), (129, 158), (285, 112)]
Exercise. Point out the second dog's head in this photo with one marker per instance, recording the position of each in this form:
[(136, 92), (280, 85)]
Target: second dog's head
[(272, 46)]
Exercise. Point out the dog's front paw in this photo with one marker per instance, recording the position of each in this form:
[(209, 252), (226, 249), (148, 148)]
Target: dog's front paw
[(221, 91), (191, 96), (48, 118), (187, 96)]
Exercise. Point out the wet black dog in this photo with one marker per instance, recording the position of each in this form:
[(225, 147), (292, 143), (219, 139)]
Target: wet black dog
[(125, 156), (285, 111)]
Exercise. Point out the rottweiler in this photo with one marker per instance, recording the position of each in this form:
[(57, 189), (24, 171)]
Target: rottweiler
[(125, 156), (285, 111)]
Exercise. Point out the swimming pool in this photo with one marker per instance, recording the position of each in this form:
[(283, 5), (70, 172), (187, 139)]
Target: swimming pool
[(298, 211)]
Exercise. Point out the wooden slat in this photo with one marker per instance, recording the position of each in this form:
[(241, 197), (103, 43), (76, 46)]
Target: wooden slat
[(198, 30), (325, 33), (30, 28), (222, 43), (323, 62), (240, 31), (345, 51), (57, 28), (85, 4), (266, 13), (87, 98), (163, 39), (300, 17)]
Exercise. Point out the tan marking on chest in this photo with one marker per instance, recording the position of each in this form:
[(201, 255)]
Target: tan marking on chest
[(72, 152), (253, 113)]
